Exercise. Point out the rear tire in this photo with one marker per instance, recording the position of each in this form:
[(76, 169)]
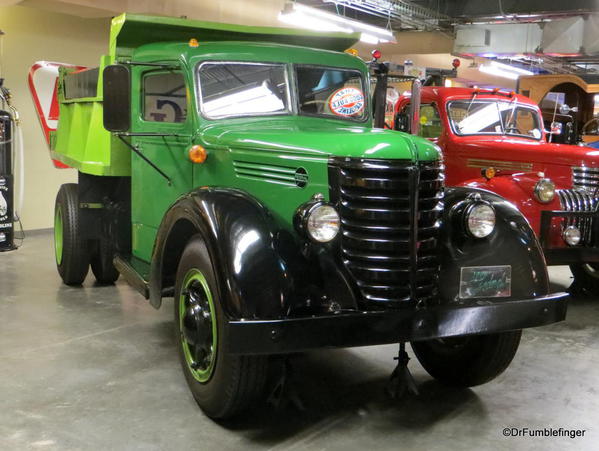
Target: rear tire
[(222, 384), (586, 277), (468, 361), (72, 257), (101, 262)]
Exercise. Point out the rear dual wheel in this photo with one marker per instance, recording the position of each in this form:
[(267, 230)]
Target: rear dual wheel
[(73, 252), (222, 384), (101, 262), (72, 256)]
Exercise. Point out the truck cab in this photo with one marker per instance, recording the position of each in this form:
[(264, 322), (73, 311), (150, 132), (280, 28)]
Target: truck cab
[(496, 140), (237, 171)]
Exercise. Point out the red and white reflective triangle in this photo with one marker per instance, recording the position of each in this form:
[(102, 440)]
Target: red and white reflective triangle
[(43, 84)]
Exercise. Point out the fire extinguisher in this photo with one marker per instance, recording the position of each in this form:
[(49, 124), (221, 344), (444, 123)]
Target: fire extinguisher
[(6, 184)]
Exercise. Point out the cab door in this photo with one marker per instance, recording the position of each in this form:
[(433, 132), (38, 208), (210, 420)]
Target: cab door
[(161, 131)]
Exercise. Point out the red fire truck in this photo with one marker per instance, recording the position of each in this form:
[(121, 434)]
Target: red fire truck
[(495, 140)]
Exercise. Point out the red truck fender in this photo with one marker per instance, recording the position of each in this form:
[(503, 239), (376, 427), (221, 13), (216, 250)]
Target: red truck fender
[(517, 189)]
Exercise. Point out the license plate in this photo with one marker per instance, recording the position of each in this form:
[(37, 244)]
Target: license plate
[(485, 282)]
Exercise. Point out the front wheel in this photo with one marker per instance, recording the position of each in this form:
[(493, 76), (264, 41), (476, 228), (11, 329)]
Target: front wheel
[(222, 384), (468, 361), (586, 277)]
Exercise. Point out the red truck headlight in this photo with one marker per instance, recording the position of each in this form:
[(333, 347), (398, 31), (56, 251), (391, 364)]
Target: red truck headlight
[(544, 191)]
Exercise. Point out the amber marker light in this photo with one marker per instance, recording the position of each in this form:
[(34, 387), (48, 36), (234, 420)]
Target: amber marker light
[(353, 52), (193, 42), (197, 154), (489, 173)]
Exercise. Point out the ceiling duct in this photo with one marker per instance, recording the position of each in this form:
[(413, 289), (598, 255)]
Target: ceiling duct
[(500, 39), (401, 14), (565, 37)]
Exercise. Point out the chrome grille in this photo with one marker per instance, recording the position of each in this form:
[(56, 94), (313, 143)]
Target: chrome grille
[(390, 211), (586, 179), (577, 200)]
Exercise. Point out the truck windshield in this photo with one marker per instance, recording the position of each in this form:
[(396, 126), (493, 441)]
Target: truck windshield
[(332, 92), (243, 89), (230, 89), (492, 117)]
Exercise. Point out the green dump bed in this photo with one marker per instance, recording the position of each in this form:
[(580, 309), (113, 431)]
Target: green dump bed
[(81, 141)]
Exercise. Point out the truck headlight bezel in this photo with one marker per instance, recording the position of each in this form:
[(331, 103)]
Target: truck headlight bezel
[(544, 191), (479, 219), (318, 220)]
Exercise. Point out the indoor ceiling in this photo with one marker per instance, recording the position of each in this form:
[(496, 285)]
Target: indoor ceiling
[(554, 21)]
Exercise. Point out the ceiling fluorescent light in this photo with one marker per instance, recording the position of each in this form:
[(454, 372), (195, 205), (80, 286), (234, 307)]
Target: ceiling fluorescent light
[(503, 70), (315, 19), (491, 70), (505, 67)]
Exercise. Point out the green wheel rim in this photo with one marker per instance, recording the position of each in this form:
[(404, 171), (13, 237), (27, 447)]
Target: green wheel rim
[(197, 322), (58, 235)]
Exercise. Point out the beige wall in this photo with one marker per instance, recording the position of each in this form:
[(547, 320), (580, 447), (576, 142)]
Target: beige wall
[(35, 30), (38, 32), (33, 35)]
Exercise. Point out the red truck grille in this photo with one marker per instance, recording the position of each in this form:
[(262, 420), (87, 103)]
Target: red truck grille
[(586, 179), (390, 211), (575, 200)]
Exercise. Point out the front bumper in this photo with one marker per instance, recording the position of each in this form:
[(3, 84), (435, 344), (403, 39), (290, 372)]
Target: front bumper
[(569, 254), (391, 326)]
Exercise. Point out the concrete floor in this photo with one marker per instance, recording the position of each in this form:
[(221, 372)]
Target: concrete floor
[(96, 368)]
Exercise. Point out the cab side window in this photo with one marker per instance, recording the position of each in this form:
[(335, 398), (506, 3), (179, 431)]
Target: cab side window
[(430, 122), (164, 97)]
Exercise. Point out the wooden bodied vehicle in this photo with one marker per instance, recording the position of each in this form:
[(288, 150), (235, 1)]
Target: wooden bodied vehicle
[(568, 105)]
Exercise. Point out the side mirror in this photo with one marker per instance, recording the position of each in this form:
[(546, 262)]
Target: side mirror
[(564, 109), (402, 122), (117, 98)]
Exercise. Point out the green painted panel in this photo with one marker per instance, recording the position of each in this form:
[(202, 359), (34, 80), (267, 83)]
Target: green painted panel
[(152, 195), (82, 142), (129, 31)]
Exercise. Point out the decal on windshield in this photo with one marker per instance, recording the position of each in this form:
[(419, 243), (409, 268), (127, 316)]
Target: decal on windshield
[(347, 102)]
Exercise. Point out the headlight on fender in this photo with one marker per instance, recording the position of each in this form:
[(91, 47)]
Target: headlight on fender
[(544, 191), (479, 219), (318, 220)]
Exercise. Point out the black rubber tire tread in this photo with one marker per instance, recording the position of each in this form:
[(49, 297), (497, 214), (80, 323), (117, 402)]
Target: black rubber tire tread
[(75, 256), (101, 262), (237, 381), (480, 360), (584, 281)]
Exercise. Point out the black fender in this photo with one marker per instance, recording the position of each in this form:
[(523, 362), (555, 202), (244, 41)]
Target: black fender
[(254, 280), (513, 242)]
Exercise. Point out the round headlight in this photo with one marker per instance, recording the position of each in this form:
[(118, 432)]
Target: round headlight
[(544, 190), (323, 223), (572, 235), (480, 220)]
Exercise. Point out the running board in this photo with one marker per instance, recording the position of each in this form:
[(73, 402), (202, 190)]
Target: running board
[(132, 276)]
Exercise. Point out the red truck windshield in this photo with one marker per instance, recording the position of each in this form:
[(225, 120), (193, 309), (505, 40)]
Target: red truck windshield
[(481, 117)]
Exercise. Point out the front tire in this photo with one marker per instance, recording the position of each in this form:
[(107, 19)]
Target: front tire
[(70, 249), (586, 277), (468, 361), (222, 384)]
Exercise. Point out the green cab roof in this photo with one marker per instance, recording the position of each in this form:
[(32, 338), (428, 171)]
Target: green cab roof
[(129, 31)]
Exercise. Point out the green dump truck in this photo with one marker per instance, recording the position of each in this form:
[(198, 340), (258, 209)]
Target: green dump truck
[(236, 170)]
